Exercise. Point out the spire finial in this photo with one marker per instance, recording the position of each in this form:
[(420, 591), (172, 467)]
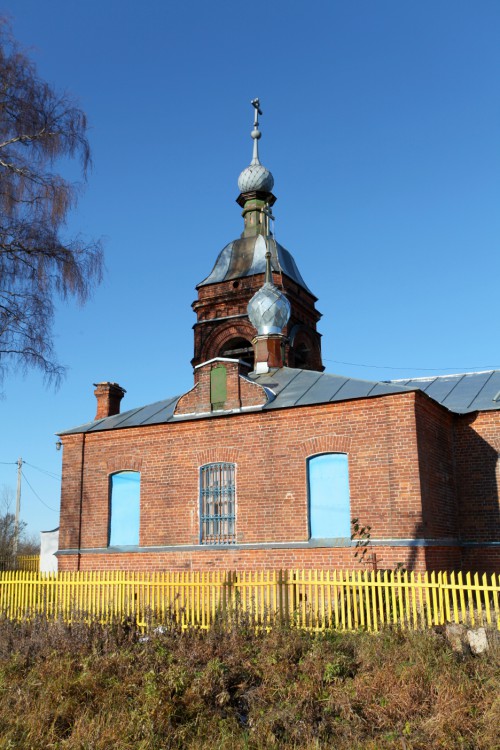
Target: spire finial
[(256, 134), (256, 178)]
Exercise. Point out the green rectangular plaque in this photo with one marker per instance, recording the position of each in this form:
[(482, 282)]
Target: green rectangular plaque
[(218, 387)]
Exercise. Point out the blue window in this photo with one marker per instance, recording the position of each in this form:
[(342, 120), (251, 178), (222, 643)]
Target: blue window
[(124, 515), (328, 487), (217, 504)]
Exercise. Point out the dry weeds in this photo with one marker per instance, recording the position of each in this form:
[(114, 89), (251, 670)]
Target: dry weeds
[(101, 688)]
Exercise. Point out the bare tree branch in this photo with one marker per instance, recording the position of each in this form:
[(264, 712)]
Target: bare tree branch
[(37, 127)]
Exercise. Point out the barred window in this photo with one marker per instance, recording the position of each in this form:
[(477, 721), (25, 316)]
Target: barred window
[(217, 504)]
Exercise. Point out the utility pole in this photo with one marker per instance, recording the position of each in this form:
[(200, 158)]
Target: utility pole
[(18, 506)]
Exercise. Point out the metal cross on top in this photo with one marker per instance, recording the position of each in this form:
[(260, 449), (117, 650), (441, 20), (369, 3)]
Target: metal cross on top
[(256, 104), (256, 132)]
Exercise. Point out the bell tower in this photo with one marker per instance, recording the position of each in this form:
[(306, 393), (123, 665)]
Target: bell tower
[(223, 327)]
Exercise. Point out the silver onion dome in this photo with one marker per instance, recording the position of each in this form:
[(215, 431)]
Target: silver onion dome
[(256, 176), (268, 310)]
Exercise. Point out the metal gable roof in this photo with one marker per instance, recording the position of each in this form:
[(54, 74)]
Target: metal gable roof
[(461, 393), (288, 387), (157, 413), (307, 387)]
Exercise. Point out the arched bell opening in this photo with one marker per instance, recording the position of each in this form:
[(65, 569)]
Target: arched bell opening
[(305, 352), (238, 348), (301, 356)]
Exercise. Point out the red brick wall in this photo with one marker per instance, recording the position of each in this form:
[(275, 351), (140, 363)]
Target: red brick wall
[(216, 301), (481, 559), (255, 559), (69, 520), (478, 476), (402, 483), (270, 451), (437, 470)]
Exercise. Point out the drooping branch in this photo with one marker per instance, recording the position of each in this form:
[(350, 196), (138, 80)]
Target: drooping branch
[(37, 128)]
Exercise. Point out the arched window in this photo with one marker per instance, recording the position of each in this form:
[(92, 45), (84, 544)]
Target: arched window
[(217, 504), (124, 508), (328, 488)]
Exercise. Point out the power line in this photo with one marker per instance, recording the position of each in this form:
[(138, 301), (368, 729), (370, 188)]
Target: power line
[(36, 494), (415, 369), (44, 471)]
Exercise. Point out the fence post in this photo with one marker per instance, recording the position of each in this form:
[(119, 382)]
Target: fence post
[(283, 597)]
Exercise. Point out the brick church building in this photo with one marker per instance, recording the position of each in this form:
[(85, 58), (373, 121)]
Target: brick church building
[(266, 459)]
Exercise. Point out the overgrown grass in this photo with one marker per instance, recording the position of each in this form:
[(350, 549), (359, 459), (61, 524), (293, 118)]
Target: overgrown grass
[(103, 688)]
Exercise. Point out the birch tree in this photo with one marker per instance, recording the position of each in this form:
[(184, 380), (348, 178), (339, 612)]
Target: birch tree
[(39, 128)]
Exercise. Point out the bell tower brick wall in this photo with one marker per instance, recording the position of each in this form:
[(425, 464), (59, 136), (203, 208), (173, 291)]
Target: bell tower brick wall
[(221, 311)]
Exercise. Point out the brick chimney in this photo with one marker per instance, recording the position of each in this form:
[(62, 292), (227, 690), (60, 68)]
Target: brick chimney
[(108, 397)]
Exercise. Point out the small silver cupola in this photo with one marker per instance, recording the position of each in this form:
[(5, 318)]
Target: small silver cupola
[(268, 310), (256, 177)]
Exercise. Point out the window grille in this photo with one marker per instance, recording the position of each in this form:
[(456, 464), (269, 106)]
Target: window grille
[(217, 504)]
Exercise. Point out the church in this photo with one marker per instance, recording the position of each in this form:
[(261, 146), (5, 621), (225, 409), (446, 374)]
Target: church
[(266, 459)]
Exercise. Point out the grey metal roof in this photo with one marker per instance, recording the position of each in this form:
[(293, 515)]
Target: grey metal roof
[(288, 387), (157, 413), (247, 257), (462, 393), (307, 387)]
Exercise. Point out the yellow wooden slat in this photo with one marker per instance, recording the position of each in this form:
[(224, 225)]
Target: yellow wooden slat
[(413, 600), (400, 599), (479, 605), (486, 598), (461, 593), (366, 600), (373, 600), (380, 598), (454, 596), (420, 602), (495, 586)]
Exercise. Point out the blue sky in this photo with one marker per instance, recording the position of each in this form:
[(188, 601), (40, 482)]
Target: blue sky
[(382, 129)]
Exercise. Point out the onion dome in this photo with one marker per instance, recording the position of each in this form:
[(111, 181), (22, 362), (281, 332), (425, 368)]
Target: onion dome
[(256, 177), (268, 310)]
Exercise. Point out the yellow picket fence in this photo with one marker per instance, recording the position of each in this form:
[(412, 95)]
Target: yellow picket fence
[(313, 600), (21, 562)]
